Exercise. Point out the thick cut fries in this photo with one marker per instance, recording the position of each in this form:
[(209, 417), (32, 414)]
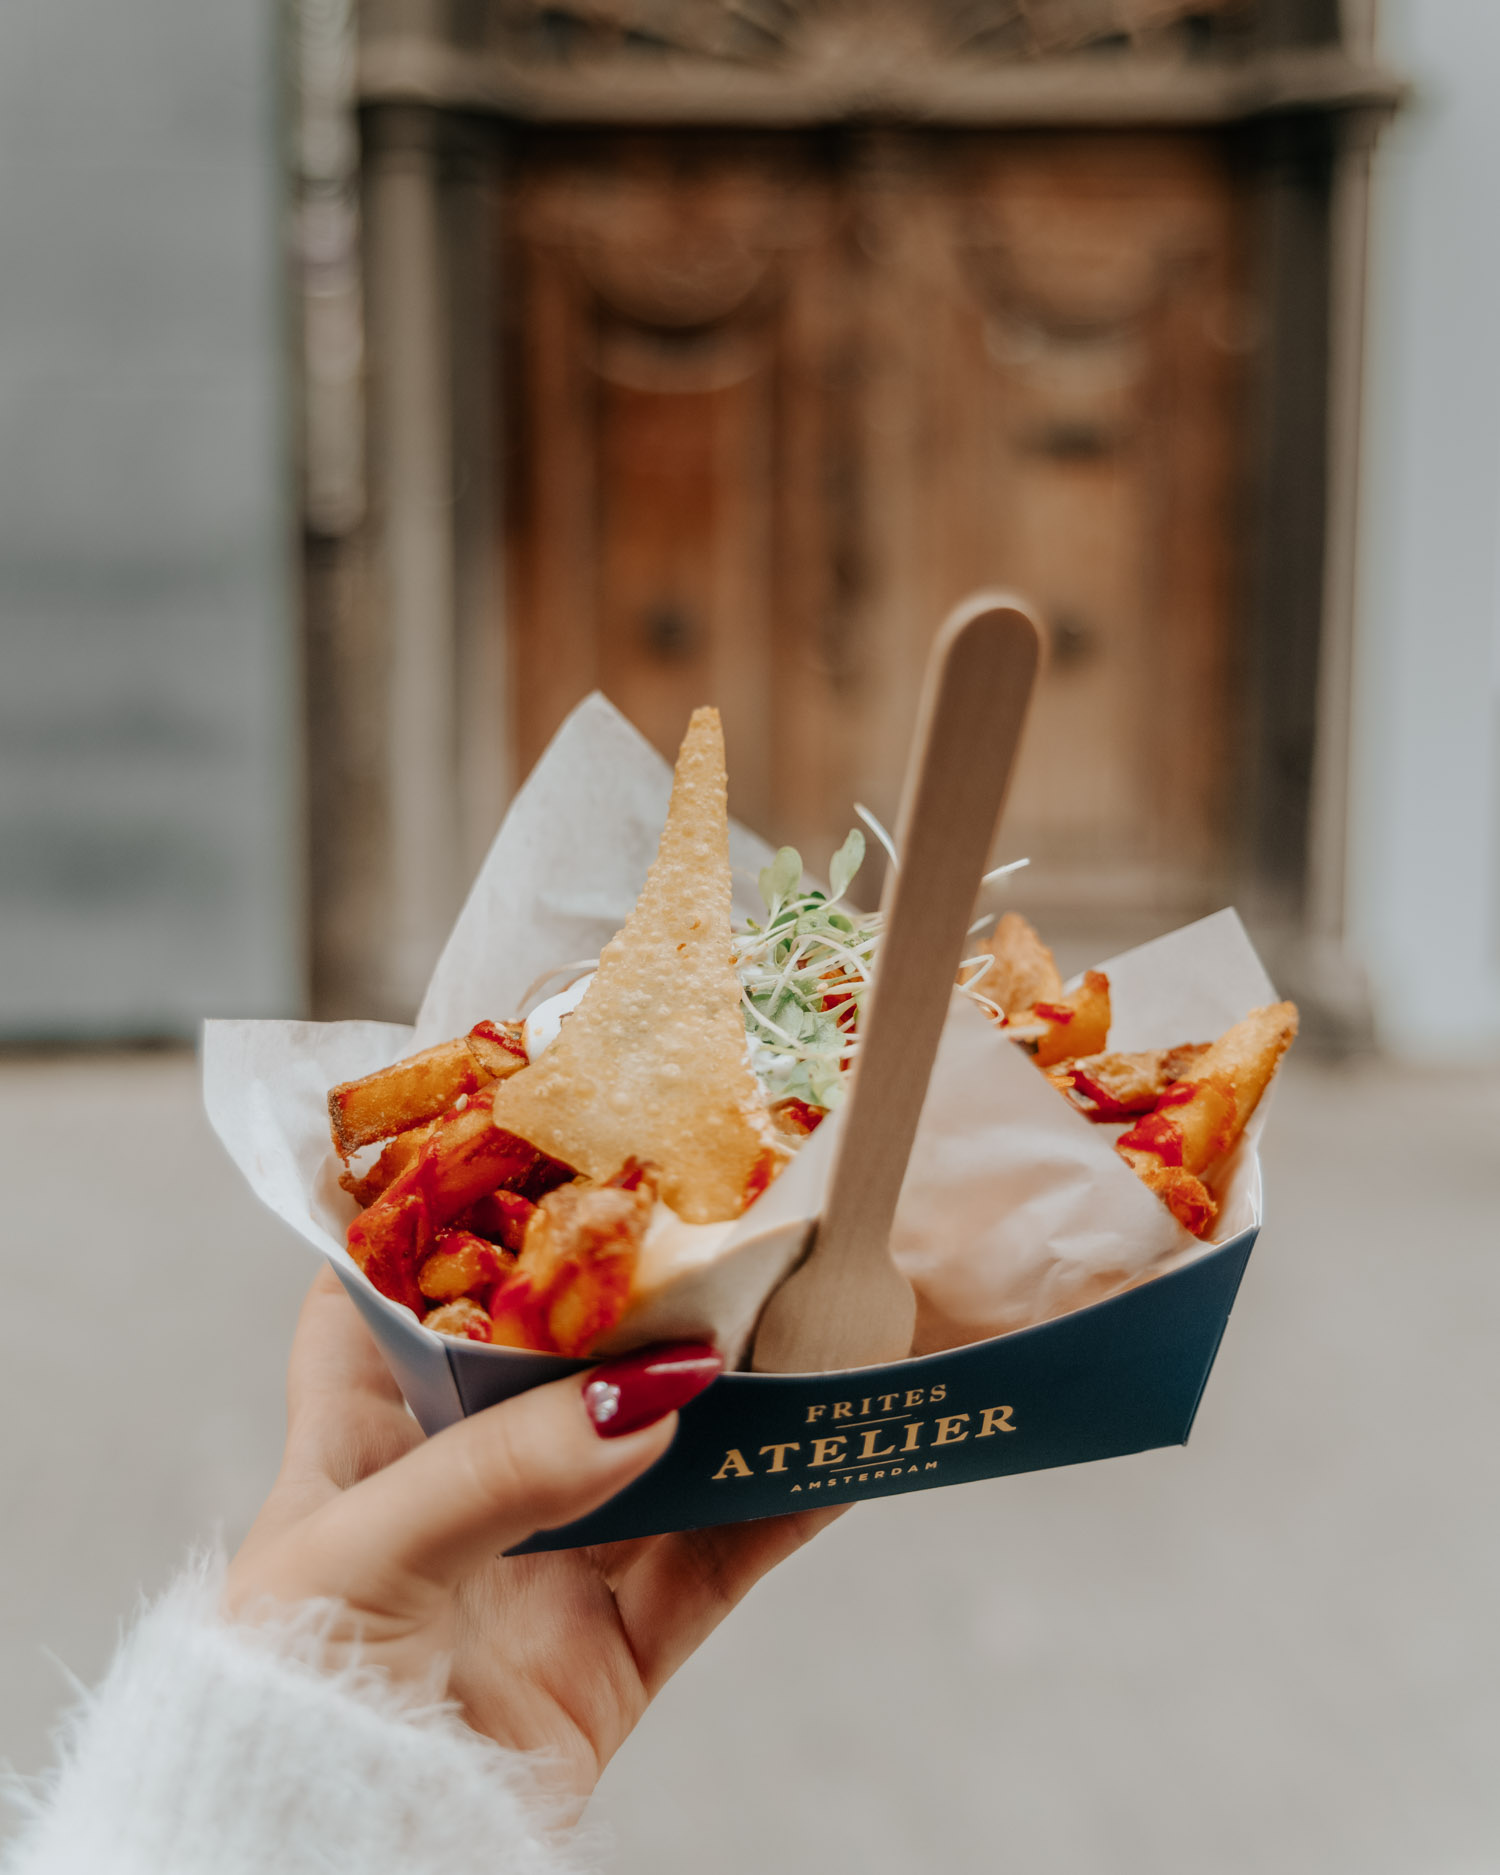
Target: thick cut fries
[(1192, 1125), (1021, 981), (796, 1120), (1197, 1121), (1073, 1024), (462, 1264), (403, 1096), (464, 1318), (467, 1157), (497, 1047), (395, 1157), (1245, 1057), (1117, 1087), (1189, 1103), (500, 1216), (573, 1279)]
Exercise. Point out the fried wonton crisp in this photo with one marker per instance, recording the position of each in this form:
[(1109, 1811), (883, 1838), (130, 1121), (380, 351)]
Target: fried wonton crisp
[(653, 1064)]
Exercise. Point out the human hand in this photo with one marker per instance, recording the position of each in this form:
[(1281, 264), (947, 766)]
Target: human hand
[(560, 1652)]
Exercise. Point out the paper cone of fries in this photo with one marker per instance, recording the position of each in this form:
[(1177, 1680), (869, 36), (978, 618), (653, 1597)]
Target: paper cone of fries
[(1015, 1211)]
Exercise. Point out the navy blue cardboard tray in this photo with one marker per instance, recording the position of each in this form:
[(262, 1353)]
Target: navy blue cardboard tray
[(1124, 1375)]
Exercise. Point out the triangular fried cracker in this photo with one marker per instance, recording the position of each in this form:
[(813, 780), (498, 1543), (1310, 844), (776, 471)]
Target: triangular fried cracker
[(652, 1065)]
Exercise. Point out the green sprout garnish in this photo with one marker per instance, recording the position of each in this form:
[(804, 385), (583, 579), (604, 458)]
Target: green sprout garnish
[(803, 977), (805, 972)]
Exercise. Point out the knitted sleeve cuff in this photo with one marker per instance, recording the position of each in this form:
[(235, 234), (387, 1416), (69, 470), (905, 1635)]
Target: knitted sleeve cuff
[(216, 1748)]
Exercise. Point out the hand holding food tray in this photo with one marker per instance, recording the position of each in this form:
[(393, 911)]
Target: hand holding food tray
[(648, 1164)]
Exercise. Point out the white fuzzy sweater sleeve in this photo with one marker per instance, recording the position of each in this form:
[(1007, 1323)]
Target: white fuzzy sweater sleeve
[(211, 1749)]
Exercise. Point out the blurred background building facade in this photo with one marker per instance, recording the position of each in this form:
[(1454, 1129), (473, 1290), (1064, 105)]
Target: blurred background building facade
[(150, 793), (709, 351)]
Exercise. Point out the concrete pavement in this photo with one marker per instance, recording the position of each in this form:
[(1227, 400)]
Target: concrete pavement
[(1276, 1650)]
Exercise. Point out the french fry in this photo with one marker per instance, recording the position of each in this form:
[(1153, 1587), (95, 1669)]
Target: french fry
[(796, 1120), (1073, 1024), (1117, 1087), (1197, 1121), (1022, 981), (404, 1095), (572, 1280), (1170, 1147), (497, 1047), (1246, 1056), (395, 1157), (500, 1216), (466, 1157), (466, 1319), (462, 1264), (1183, 1193), (1190, 1126)]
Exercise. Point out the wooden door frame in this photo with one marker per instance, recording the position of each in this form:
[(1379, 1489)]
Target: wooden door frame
[(414, 586)]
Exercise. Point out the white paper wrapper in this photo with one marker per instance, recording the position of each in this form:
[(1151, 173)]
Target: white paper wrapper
[(1015, 1207)]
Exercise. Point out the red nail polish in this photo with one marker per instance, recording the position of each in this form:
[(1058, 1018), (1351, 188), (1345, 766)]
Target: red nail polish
[(624, 1395)]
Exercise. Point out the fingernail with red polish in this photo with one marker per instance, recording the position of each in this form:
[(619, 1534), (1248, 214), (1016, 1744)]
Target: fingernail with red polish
[(622, 1396)]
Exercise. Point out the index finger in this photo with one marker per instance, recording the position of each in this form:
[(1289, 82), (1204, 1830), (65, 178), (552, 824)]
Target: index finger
[(418, 1527)]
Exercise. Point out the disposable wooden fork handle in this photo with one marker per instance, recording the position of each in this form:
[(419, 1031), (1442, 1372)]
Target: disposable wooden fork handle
[(847, 1305)]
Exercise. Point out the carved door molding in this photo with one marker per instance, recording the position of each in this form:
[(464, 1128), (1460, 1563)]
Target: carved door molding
[(771, 414)]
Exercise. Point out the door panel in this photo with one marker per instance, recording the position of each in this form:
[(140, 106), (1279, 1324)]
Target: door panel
[(776, 404)]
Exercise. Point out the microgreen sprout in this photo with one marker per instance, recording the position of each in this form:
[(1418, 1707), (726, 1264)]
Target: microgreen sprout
[(805, 971), (803, 976), (971, 973), (877, 828)]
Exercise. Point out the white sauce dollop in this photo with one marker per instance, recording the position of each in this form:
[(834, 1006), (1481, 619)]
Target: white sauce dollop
[(542, 1027)]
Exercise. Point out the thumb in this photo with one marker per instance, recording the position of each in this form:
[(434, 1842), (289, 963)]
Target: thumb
[(391, 1543)]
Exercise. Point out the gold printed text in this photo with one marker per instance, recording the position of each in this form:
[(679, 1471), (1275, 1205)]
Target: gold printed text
[(887, 1436)]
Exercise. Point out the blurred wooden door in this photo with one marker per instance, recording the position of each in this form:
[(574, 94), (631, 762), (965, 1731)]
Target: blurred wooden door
[(774, 403)]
